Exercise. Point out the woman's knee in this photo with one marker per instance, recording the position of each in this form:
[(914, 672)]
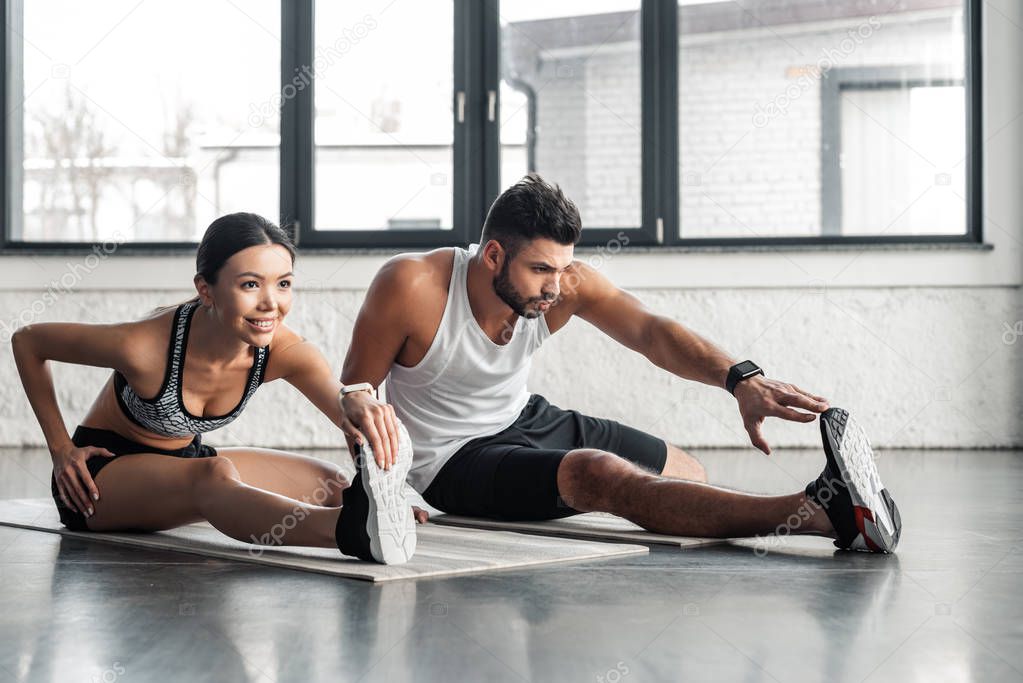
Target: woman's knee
[(212, 473)]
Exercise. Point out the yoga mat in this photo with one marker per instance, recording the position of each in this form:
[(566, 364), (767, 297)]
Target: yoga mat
[(591, 525), (441, 551)]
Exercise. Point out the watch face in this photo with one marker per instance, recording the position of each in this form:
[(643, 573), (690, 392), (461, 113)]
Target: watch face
[(746, 367)]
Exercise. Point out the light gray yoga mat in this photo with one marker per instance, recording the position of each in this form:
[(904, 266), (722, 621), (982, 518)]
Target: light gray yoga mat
[(591, 525), (441, 551)]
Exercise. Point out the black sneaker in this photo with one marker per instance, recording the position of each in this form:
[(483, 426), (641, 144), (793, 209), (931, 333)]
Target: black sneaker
[(850, 491), (376, 521)]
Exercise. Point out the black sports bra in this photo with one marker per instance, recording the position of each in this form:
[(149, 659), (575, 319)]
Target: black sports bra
[(165, 413)]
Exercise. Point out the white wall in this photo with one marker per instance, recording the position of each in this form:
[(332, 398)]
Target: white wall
[(912, 339)]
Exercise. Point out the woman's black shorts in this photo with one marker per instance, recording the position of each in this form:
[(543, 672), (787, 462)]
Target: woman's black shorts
[(115, 443)]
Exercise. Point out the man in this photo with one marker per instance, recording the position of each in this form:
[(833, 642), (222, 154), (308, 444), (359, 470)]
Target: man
[(453, 331)]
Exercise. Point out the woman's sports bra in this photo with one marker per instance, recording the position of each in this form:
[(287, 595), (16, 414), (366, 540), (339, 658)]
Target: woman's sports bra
[(165, 413)]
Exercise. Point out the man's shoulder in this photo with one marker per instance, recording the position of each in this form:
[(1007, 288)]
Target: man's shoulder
[(418, 272), (409, 293), (582, 284)]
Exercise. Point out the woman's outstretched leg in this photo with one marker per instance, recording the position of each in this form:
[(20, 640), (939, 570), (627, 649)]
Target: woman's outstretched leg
[(154, 492)]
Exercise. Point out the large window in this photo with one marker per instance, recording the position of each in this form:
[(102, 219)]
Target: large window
[(571, 97), (139, 122), (813, 117), (395, 123), (384, 127)]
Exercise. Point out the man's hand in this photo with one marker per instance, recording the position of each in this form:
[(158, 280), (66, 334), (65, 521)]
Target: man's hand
[(421, 515), (760, 397), (367, 420)]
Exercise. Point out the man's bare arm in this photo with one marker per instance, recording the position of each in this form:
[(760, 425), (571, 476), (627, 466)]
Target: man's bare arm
[(381, 329), (669, 345), (664, 341), (382, 325)]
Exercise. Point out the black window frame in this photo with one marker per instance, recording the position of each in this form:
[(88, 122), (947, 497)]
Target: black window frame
[(972, 77), (476, 143), (299, 20)]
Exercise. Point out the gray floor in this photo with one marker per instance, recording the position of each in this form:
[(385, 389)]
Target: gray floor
[(947, 606)]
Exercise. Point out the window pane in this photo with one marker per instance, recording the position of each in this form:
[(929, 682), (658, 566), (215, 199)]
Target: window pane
[(888, 159), (570, 100), (384, 124), (145, 121), (808, 117)]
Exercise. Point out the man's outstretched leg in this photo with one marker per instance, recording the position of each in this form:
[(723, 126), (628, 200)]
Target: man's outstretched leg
[(681, 465), (598, 481), (846, 502)]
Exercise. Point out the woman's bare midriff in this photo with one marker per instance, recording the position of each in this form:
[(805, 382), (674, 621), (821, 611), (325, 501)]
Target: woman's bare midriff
[(107, 414)]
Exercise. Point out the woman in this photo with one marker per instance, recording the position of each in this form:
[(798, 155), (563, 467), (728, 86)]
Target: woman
[(139, 463)]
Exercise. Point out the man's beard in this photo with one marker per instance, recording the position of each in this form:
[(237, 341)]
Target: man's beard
[(506, 291)]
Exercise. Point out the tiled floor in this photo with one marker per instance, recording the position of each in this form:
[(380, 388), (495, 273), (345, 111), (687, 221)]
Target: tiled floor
[(946, 607)]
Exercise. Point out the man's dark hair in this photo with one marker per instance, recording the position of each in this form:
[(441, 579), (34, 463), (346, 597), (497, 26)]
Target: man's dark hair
[(529, 209)]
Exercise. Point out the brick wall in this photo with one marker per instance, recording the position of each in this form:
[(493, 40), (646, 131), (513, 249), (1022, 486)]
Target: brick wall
[(740, 171)]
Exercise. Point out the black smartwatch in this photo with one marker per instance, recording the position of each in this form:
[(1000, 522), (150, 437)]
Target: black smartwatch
[(739, 372)]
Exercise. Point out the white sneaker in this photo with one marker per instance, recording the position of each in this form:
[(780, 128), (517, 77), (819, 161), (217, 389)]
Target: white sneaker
[(850, 490), (376, 521)]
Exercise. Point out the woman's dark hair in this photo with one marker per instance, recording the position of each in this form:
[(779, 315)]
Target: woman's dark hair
[(232, 233), (529, 209)]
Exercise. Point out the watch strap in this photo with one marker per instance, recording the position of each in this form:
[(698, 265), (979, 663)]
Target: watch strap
[(361, 386), (739, 372)]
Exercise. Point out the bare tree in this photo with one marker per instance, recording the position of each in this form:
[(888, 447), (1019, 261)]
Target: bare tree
[(79, 174), (177, 145), (75, 142)]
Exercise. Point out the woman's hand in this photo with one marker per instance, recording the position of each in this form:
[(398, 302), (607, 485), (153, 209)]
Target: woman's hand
[(368, 420), (74, 482)]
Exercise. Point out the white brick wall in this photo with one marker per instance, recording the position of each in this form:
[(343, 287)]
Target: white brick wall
[(922, 367)]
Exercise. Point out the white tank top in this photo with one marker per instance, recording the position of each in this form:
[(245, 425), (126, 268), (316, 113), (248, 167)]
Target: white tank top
[(466, 386)]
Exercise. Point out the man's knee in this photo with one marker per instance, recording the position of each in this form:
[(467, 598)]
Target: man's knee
[(588, 478), (681, 465)]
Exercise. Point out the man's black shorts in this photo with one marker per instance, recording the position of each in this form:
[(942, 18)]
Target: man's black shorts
[(513, 475)]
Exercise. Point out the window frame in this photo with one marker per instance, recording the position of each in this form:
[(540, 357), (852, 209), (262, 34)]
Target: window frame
[(972, 74), (299, 29), (476, 143), (655, 86)]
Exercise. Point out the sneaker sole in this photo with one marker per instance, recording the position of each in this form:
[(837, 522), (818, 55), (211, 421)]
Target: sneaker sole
[(389, 524), (848, 449)]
